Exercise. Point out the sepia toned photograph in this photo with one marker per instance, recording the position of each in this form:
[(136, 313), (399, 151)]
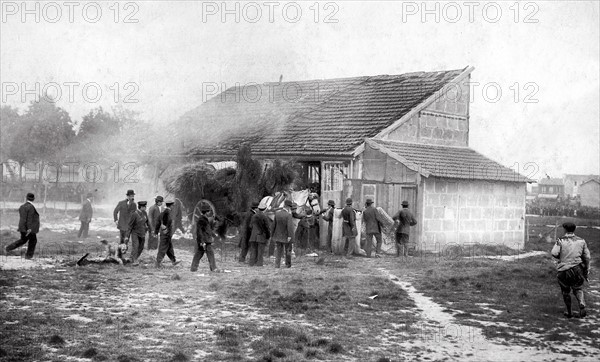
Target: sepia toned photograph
[(299, 181)]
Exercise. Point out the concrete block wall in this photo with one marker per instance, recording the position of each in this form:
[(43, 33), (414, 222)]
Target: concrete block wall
[(472, 211)]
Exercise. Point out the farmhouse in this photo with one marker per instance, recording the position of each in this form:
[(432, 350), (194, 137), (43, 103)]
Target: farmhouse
[(589, 192), (573, 182), (551, 188), (388, 137)]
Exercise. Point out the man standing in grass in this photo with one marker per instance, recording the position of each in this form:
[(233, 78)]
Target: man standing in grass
[(328, 216), (138, 226), (573, 267), (154, 219), (373, 228), (405, 220), (349, 231), (122, 213), (260, 234), (165, 227), (204, 239), (85, 216), (282, 233), (29, 226)]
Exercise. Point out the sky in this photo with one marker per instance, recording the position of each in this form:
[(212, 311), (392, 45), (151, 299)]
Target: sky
[(536, 86)]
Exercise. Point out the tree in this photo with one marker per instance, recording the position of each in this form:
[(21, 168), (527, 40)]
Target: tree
[(99, 123), (9, 122)]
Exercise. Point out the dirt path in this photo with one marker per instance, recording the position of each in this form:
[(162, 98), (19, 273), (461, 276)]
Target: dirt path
[(443, 337)]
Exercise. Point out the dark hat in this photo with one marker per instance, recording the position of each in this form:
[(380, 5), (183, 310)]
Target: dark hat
[(30, 196), (348, 201), (331, 203), (288, 203), (159, 199), (205, 208), (404, 203), (254, 204), (309, 212), (142, 203), (169, 203), (130, 192), (369, 202), (569, 227), (89, 194)]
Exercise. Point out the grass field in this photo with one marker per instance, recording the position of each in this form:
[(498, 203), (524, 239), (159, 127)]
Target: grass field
[(462, 304)]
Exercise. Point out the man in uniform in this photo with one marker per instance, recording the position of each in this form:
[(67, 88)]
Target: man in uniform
[(29, 226), (349, 231), (154, 219), (165, 227), (121, 215), (260, 234), (85, 216), (405, 220), (246, 232), (138, 226), (282, 233), (573, 267), (373, 228), (328, 216), (204, 239)]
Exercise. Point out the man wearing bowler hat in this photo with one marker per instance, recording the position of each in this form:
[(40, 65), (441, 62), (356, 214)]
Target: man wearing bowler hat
[(85, 216), (138, 226), (166, 229), (204, 239), (282, 233), (372, 228), (29, 226), (405, 220), (154, 219), (349, 231), (573, 267), (122, 213)]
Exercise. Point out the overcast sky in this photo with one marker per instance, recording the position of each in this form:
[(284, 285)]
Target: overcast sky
[(543, 56)]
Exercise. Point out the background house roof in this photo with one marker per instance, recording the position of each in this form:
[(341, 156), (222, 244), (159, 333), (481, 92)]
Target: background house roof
[(450, 162), (319, 117), (590, 180)]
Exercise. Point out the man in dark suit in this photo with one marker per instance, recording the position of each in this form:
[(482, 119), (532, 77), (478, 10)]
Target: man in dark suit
[(138, 226), (121, 214), (405, 220), (204, 238), (166, 229), (349, 231), (282, 233), (29, 226), (154, 219), (373, 228), (328, 216), (245, 233), (85, 216), (259, 236)]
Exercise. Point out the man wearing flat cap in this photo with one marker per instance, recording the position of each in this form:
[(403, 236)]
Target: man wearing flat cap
[(282, 233), (29, 226), (328, 216), (138, 227), (259, 235), (154, 219), (85, 216), (405, 220), (573, 267), (349, 231), (166, 229), (122, 213), (204, 238), (372, 227)]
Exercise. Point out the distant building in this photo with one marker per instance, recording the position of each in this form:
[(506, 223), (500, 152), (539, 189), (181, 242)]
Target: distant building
[(572, 183), (551, 188), (589, 192)]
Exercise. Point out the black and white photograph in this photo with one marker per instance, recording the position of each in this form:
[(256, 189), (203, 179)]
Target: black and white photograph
[(292, 181)]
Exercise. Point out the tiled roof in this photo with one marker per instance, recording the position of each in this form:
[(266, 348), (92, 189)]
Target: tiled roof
[(591, 180), (448, 161), (551, 181), (320, 117)]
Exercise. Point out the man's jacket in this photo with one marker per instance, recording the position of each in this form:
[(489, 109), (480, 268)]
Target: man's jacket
[(167, 221), (371, 219), (349, 226), (86, 211), (260, 228), (283, 227), (124, 209), (29, 218), (138, 223), (570, 250), (154, 216), (405, 221), (204, 233)]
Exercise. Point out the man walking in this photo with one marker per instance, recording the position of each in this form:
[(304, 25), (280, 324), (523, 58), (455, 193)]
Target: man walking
[(260, 234), (204, 239), (153, 220), (349, 231), (373, 228), (573, 267), (282, 233), (138, 226), (29, 226), (328, 216), (246, 232), (165, 227), (85, 216), (405, 220), (121, 215)]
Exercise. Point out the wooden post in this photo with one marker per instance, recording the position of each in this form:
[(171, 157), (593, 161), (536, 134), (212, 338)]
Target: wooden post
[(45, 195), (555, 228)]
